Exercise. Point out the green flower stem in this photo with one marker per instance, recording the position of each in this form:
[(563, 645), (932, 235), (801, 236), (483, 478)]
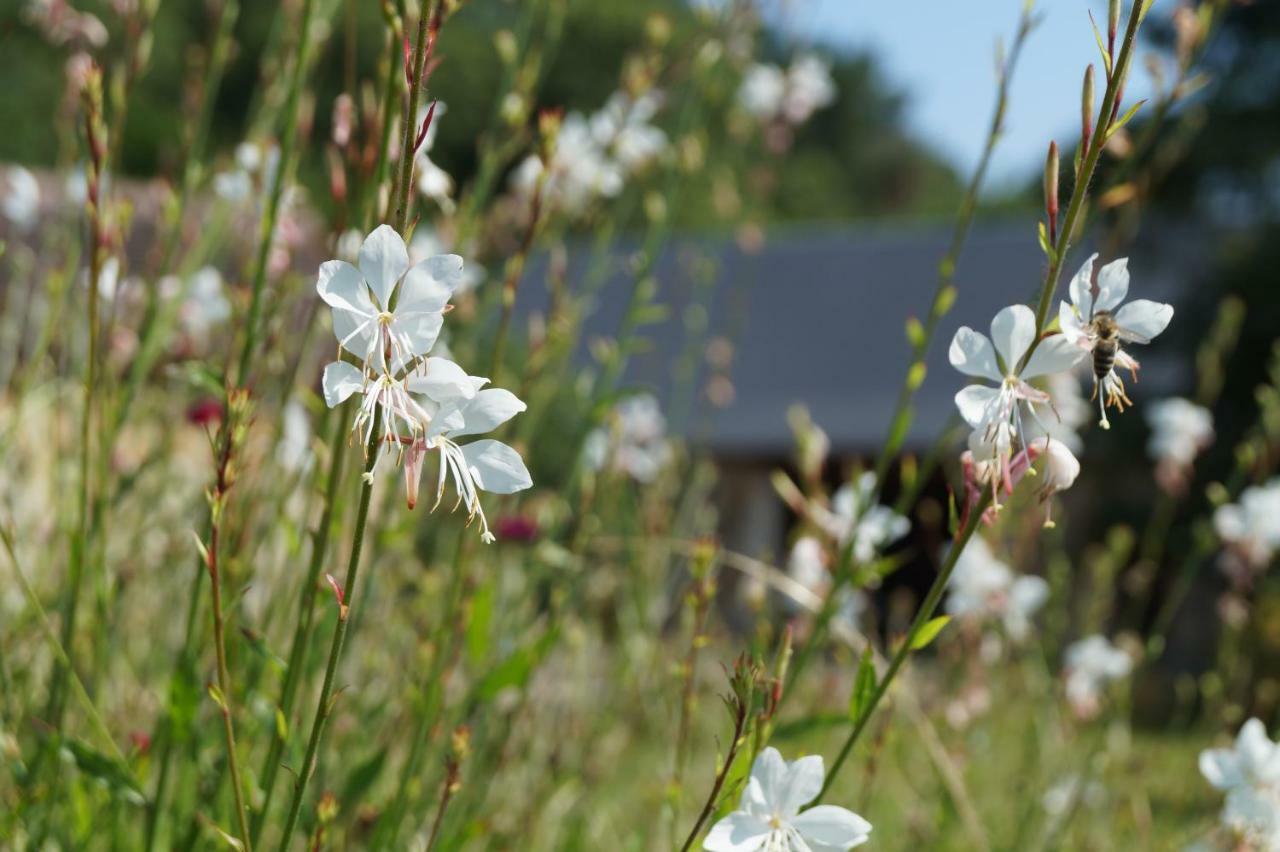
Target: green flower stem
[(923, 616), (943, 298), (306, 620), (323, 706), (428, 26), (288, 140)]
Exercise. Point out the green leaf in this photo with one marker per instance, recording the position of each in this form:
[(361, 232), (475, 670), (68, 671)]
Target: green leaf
[(864, 685), (362, 778), (479, 627), (516, 669), (1102, 46), (95, 763), (929, 632), (1045, 245), (1124, 119)]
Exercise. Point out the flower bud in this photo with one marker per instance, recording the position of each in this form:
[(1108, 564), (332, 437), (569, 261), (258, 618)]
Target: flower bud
[(1086, 108), (1051, 167)]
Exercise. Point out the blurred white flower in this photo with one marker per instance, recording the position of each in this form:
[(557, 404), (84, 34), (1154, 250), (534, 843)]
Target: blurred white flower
[(20, 198), (1137, 322), (806, 564), (60, 22), (1090, 664), (1070, 792), (580, 171), (427, 242), (206, 304), (294, 451), (762, 90), (982, 588), (374, 321), (769, 93), (623, 127), (633, 441), (1180, 431), (855, 515), (996, 414), (1251, 527), (1249, 773), (809, 88), (769, 819)]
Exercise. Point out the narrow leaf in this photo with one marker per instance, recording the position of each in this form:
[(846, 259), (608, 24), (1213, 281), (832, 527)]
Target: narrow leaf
[(929, 632)]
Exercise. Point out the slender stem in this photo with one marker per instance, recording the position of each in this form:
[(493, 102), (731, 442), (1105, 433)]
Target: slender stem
[(428, 26), (306, 620), (339, 635), (741, 715), (266, 235), (942, 299), (219, 633), (923, 615)]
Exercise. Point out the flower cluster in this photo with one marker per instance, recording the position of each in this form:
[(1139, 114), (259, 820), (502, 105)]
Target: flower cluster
[(769, 819), (594, 155), (793, 95), (999, 448), (388, 315), (983, 588), (1090, 664), (855, 519), (1249, 773)]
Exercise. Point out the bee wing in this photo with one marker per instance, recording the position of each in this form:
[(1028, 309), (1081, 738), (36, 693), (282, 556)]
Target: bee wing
[(1131, 336)]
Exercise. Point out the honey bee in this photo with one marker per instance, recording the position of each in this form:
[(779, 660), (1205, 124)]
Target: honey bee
[(1106, 335)]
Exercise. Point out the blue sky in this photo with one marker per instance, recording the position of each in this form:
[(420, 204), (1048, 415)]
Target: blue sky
[(941, 54)]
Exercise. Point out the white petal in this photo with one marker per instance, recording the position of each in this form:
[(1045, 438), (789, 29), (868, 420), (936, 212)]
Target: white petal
[(738, 832), (489, 410), (345, 325), (442, 381), (1081, 289), (1012, 331), (770, 772), (974, 401), (1071, 324), (1113, 285), (496, 468), (1055, 354), (1144, 317), (383, 259), (833, 827), (341, 380), (1221, 768), (422, 330), (342, 287), (971, 353), (428, 285), (803, 784)]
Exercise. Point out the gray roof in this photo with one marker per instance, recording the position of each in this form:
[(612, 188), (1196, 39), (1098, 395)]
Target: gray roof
[(817, 317)]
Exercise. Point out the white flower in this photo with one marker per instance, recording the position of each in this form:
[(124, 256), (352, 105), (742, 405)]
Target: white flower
[(386, 309), (1071, 791), (623, 127), (1254, 760), (762, 91), (809, 88), (206, 303), (294, 451), (806, 564), (20, 201), (995, 414), (580, 171), (1252, 526), (769, 93), (769, 819), (983, 587), (1180, 429), (1069, 411), (1092, 663), (1249, 773), (486, 465), (1140, 321), (855, 515), (634, 442)]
